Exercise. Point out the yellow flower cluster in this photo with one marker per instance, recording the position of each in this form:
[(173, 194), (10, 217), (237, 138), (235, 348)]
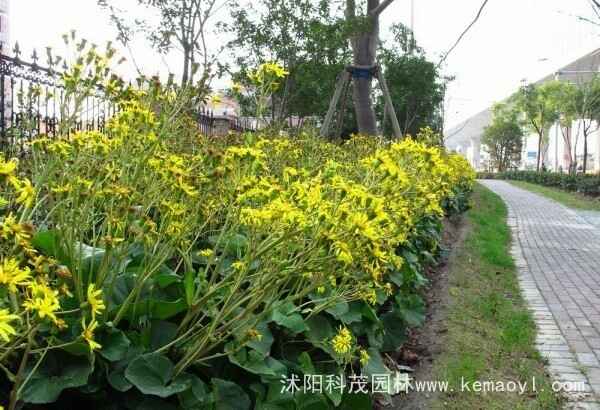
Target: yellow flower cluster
[(266, 70), (311, 221), (342, 342), (358, 215)]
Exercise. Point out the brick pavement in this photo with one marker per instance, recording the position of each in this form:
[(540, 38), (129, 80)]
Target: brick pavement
[(557, 252)]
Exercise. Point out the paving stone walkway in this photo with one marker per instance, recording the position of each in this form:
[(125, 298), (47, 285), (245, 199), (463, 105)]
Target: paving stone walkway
[(557, 252)]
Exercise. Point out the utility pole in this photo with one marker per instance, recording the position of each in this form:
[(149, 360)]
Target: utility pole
[(412, 16), (412, 25)]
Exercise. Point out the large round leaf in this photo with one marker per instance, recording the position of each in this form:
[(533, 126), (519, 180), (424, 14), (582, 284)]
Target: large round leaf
[(58, 371), (153, 374)]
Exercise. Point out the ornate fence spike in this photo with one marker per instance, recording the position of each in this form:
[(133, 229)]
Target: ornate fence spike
[(17, 50), (34, 57), (49, 58)]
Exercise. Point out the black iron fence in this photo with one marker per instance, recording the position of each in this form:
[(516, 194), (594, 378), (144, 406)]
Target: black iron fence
[(33, 103)]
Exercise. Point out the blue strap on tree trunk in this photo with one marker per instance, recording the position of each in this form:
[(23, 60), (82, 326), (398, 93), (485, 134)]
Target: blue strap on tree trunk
[(358, 72)]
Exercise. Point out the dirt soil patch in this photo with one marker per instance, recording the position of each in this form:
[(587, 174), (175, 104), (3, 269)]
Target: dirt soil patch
[(427, 342)]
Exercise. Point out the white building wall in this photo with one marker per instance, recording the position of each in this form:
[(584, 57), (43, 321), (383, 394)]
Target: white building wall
[(556, 158), (4, 25)]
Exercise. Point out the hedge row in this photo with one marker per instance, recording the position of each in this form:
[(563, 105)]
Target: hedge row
[(584, 184)]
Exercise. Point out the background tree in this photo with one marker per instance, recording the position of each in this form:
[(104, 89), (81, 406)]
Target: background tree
[(587, 108), (562, 96), (503, 138), (182, 25), (305, 36), (416, 86), (536, 105)]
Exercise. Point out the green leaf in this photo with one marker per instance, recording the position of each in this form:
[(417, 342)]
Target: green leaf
[(354, 313), (166, 277), (375, 365), (356, 402), (153, 374), (163, 310), (196, 398), (47, 242), (306, 363), (118, 381), (229, 396), (114, 345), (57, 372), (309, 401), (411, 309), (319, 330), (264, 344), (256, 363), (162, 333), (275, 396), (338, 310), (395, 332), (286, 315)]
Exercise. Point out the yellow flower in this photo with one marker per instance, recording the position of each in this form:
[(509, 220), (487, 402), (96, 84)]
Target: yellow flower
[(43, 300), (187, 188), (8, 168), (342, 342), (239, 265), (11, 228), (215, 99), (207, 253), (236, 87), (364, 357), (11, 275), (88, 334), (6, 329), (26, 192), (94, 298)]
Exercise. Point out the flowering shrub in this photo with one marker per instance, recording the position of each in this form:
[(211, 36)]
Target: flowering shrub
[(143, 272)]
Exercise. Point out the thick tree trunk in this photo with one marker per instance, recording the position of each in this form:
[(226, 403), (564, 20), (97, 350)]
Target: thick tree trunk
[(364, 47)]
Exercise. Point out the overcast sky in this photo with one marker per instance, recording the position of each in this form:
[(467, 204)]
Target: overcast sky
[(514, 40)]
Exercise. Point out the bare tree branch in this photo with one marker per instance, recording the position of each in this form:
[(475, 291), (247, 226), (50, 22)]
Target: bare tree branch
[(379, 9), (464, 33)]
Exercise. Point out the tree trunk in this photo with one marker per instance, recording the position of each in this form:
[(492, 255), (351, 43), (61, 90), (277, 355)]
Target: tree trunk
[(364, 48), (186, 66), (539, 153), (585, 151)]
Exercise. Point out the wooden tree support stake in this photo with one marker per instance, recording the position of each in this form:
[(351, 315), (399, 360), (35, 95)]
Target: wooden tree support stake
[(343, 79), (343, 82), (389, 105)]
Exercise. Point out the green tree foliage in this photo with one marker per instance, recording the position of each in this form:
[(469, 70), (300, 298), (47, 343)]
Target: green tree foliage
[(503, 138), (415, 84), (587, 108), (307, 37), (311, 40), (538, 106), (563, 96)]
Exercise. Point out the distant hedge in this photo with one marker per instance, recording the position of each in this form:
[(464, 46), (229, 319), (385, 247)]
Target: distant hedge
[(585, 184)]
